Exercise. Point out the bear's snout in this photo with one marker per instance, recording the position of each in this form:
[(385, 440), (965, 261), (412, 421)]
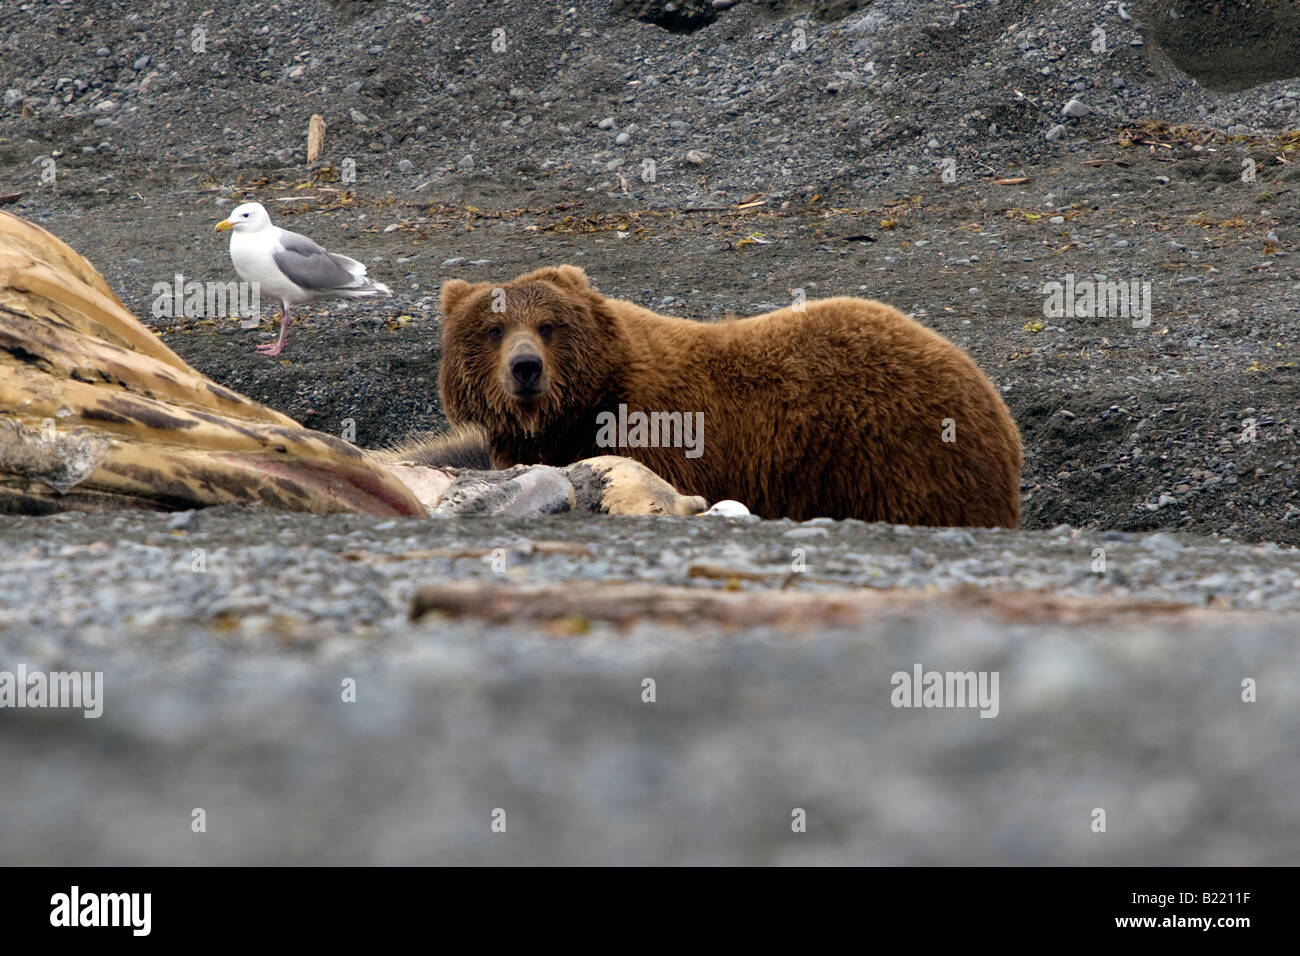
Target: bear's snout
[(526, 370)]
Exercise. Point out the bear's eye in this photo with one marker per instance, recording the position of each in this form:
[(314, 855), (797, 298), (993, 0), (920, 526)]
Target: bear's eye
[(496, 334), (545, 330)]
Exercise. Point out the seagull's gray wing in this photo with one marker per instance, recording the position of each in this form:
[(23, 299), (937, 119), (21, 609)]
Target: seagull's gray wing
[(309, 266)]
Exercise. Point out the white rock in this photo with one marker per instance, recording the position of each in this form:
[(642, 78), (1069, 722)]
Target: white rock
[(728, 509)]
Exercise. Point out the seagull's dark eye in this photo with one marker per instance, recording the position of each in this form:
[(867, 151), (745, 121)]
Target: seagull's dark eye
[(496, 334), (243, 215), (545, 330)]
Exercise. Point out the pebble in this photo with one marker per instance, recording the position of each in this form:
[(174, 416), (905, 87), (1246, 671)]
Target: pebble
[(1161, 542), (869, 24), (183, 521), (728, 509), (806, 532)]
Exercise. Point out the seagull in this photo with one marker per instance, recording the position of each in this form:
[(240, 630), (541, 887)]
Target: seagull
[(290, 267)]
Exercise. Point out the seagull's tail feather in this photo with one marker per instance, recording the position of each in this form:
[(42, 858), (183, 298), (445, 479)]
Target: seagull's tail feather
[(350, 265), (363, 289), (361, 285)]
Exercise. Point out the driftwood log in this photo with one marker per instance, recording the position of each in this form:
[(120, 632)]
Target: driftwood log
[(624, 604)]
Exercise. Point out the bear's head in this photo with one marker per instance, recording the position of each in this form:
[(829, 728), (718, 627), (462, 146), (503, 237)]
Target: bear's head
[(523, 356)]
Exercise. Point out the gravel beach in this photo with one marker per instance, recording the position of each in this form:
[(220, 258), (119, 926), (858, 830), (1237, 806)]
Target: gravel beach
[(224, 690)]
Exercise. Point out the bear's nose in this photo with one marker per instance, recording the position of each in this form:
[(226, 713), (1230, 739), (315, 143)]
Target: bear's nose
[(527, 370)]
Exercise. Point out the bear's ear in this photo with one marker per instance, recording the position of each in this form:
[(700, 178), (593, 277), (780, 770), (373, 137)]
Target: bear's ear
[(574, 277), (454, 292), (566, 277)]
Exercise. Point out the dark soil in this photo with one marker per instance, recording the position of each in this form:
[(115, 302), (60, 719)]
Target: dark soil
[(841, 142)]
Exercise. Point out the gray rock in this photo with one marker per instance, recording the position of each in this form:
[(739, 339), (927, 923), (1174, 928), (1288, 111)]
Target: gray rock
[(1161, 542), (868, 25), (183, 521)]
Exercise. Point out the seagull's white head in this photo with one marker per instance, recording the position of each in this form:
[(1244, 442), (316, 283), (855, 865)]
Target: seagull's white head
[(249, 217)]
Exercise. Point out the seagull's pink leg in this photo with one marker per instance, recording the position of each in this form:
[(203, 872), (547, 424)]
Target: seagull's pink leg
[(274, 348)]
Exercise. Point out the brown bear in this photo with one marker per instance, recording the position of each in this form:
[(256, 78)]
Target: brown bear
[(842, 408)]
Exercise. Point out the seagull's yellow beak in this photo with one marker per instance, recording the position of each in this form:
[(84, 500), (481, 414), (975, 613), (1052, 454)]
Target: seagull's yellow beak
[(224, 225)]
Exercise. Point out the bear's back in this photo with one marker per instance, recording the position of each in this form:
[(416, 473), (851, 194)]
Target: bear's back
[(843, 408)]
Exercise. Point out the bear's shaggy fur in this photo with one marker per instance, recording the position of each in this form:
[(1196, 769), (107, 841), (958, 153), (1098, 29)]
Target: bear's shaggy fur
[(459, 446), (845, 408)]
